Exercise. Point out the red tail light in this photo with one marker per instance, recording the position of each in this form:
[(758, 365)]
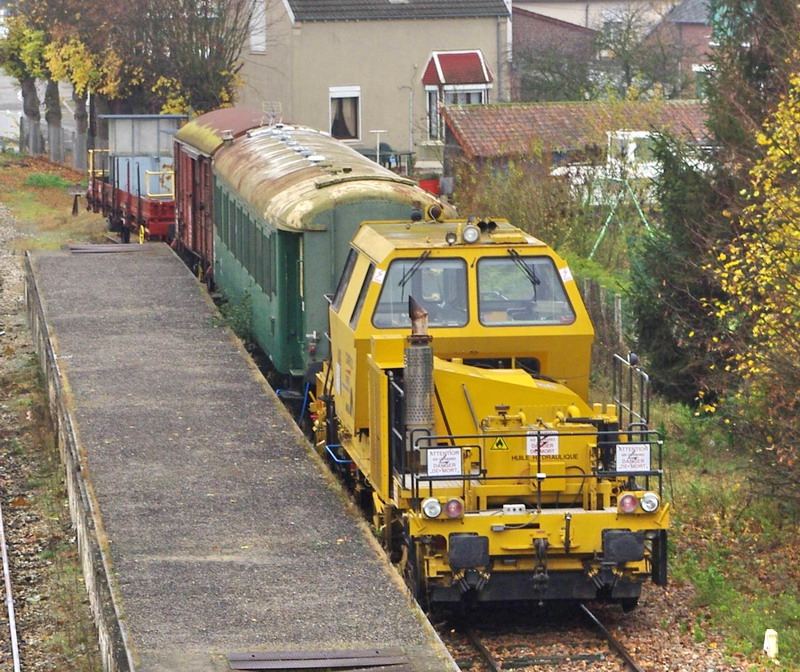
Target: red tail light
[(454, 508), (628, 503)]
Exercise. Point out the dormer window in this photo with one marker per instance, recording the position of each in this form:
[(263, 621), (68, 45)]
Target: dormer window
[(454, 78)]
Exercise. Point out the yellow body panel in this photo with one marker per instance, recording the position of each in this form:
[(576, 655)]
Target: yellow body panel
[(518, 533)]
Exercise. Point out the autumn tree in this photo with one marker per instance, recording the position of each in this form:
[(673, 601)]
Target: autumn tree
[(200, 51), (669, 284), (39, 27), (625, 58), (749, 73), (21, 58), (754, 41), (760, 274), (634, 61), (166, 56), (548, 74)]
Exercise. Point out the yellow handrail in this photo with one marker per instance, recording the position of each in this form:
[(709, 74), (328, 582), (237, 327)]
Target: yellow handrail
[(166, 181), (96, 172)]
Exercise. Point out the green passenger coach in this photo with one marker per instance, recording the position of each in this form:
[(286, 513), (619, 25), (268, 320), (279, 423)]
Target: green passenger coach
[(286, 202)]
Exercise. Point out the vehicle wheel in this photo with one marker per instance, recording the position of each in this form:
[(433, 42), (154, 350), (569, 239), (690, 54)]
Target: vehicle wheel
[(629, 604), (411, 568)]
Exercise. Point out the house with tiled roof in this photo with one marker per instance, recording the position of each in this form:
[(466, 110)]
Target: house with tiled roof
[(537, 35), (595, 14), (564, 132), (688, 27), (374, 73)]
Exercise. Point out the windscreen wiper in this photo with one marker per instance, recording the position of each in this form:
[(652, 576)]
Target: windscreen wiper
[(410, 272), (527, 270)]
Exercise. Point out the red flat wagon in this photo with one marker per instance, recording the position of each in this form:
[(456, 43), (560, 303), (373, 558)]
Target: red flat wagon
[(132, 182)]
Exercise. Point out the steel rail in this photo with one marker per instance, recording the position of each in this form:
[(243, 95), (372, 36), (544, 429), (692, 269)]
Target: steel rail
[(613, 642), (485, 653), (12, 623)]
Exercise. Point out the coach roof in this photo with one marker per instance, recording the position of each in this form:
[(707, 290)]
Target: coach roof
[(207, 132)]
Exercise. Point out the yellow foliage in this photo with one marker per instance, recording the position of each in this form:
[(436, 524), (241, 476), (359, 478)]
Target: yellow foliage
[(760, 270), (74, 61)]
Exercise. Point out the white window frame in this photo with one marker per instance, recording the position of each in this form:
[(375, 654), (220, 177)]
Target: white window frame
[(337, 92), (482, 89), (258, 27)]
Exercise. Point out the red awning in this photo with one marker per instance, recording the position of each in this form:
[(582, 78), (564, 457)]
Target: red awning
[(457, 67)]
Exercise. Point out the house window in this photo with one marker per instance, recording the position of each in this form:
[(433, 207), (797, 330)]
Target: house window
[(258, 27), (345, 106), (451, 95), (434, 118)]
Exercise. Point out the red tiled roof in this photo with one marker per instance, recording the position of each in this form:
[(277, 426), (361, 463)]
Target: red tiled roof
[(377, 10), (485, 131), (457, 67)]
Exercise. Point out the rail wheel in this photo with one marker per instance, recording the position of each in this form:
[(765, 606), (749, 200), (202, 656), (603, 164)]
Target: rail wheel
[(410, 567)]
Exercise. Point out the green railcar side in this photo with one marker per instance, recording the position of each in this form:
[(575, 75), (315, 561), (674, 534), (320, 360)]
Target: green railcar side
[(283, 277)]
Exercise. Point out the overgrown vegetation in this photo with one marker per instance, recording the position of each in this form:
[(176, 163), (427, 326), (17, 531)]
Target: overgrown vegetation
[(238, 316), (54, 613), (75, 642), (736, 547)]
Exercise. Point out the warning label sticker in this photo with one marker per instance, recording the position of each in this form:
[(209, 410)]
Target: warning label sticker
[(500, 444)]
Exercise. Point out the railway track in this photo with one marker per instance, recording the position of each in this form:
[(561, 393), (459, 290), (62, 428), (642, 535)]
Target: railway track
[(9, 598), (535, 641)]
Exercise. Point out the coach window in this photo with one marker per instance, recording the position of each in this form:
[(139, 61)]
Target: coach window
[(345, 107)]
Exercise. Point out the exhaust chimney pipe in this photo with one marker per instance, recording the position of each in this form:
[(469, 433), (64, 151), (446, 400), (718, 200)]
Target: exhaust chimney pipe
[(418, 363)]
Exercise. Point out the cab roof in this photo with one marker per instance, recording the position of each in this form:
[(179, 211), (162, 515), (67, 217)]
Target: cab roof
[(380, 239)]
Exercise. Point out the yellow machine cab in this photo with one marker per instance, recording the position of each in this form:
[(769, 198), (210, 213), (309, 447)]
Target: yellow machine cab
[(456, 397)]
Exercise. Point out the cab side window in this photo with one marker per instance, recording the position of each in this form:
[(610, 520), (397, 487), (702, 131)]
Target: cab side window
[(344, 280), (362, 296)]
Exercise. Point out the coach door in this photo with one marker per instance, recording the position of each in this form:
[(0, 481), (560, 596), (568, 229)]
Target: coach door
[(289, 314)]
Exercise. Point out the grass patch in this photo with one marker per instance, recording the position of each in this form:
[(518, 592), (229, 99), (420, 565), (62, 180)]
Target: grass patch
[(35, 191), (738, 550), (47, 181)]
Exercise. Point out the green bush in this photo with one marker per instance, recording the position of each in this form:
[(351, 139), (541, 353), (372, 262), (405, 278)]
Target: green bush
[(237, 316)]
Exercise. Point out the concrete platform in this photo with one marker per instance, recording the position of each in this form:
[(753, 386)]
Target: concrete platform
[(207, 525)]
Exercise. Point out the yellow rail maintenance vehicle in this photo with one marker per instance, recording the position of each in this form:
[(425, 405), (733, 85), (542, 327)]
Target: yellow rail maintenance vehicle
[(456, 400)]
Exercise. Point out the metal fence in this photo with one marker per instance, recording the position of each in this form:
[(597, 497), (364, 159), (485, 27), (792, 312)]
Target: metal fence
[(66, 147), (608, 313)]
